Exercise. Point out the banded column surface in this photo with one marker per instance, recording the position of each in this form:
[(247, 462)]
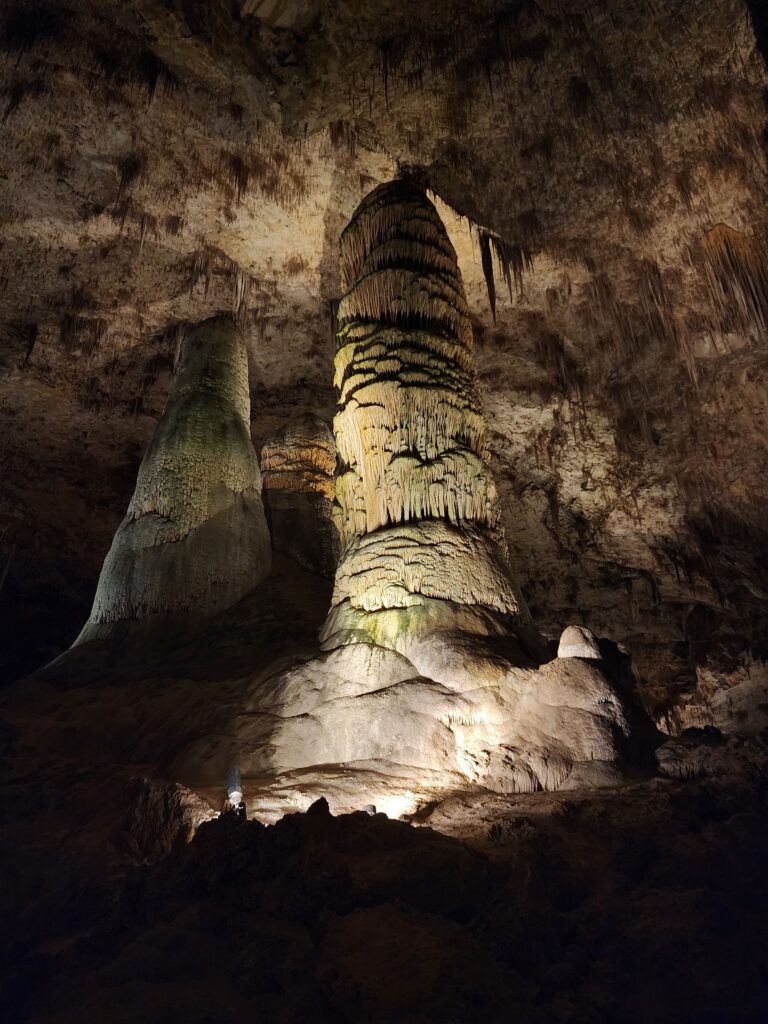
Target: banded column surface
[(416, 504), (195, 538)]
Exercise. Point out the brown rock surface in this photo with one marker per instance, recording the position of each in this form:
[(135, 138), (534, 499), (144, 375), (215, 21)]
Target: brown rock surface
[(297, 467), (543, 909), (601, 173)]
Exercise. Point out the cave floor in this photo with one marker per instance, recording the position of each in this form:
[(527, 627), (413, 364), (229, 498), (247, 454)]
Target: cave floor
[(644, 903)]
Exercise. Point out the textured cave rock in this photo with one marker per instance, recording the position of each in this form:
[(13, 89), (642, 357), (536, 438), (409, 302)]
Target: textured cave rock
[(427, 679), (577, 642), (297, 467), (195, 538), (600, 170), (417, 507), (519, 905)]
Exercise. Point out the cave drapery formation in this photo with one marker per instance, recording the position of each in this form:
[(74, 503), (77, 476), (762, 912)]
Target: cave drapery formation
[(417, 507), (194, 539)]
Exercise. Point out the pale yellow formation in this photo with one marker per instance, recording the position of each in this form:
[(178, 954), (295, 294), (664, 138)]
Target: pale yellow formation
[(201, 452), (194, 539), (399, 566), (416, 505), (301, 457)]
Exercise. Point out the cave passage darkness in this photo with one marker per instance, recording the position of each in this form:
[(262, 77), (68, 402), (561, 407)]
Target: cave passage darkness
[(383, 550)]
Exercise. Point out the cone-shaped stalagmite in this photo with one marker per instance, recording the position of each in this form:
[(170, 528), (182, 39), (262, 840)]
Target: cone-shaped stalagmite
[(416, 504), (195, 538)]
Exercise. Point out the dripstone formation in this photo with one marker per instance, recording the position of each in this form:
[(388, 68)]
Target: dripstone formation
[(297, 467), (417, 507), (195, 538), (429, 678)]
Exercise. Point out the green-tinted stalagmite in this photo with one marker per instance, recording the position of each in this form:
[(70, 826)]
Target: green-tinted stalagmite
[(195, 538)]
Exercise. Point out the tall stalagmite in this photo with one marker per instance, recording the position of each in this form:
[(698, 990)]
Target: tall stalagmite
[(195, 538), (416, 504)]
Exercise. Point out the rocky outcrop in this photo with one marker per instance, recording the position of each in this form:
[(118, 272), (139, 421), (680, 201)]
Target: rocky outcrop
[(194, 539), (416, 503), (522, 906), (297, 468), (577, 642)]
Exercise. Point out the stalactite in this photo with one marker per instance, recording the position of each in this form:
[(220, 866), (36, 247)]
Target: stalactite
[(173, 224), (78, 330), (209, 261), (513, 262), (343, 135), (131, 167), (238, 172), (416, 505), (735, 267), (152, 72), (147, 225), (487, 264), (241, 284)]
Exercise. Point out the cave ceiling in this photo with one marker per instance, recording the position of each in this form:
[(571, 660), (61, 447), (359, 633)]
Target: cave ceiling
[(601, 171)]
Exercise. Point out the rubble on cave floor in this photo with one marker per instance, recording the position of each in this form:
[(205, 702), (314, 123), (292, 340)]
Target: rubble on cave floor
[(643, 904)]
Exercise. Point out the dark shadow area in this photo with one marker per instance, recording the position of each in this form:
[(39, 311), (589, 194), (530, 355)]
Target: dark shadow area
[(758, 10), (641, 907)]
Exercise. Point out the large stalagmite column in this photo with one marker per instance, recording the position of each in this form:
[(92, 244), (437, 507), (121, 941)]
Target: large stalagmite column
[(417, 507), (195, 538)]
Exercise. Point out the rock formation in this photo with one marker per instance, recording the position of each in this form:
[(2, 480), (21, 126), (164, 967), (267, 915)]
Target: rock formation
[(417, 507), (297, 467), (577, 642), (430, 677), (195, 538)]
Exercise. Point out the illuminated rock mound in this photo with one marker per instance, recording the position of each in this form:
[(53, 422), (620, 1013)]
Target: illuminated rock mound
[(577, 642), (417, 507), (195, 538), (297, 468)]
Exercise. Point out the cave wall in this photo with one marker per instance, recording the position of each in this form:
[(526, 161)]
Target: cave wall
[(601, 172)]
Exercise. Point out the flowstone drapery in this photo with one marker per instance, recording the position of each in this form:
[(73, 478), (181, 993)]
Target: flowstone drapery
[(417, 507), (195, 538)]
